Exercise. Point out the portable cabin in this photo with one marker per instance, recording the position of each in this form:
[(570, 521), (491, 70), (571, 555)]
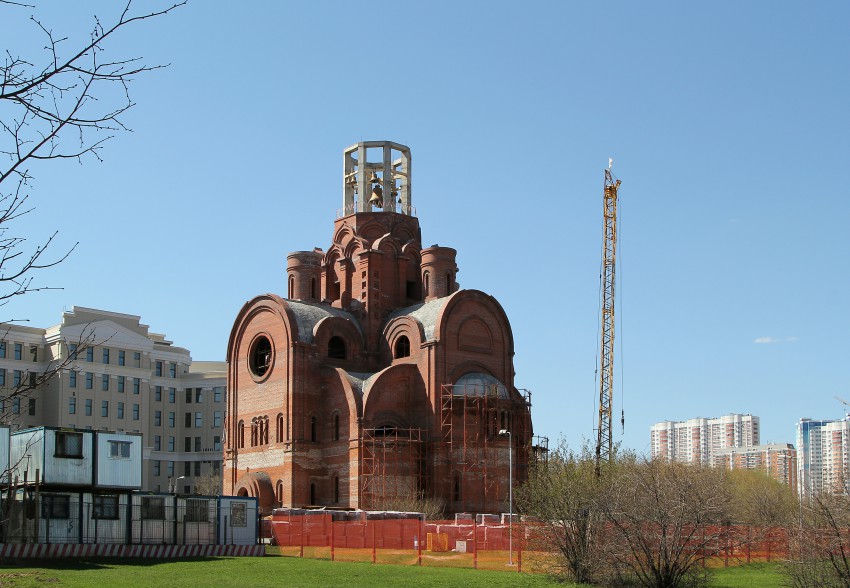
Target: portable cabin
[(118, 460), (154, 518), (62, 457), (237, 520)]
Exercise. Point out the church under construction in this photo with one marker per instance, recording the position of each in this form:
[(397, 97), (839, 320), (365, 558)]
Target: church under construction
[(376, 378)]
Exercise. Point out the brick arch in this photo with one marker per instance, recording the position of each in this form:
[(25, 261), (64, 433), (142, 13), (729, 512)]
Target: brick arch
[(340, 327), (398, 388), (258, 485), (406, 326)]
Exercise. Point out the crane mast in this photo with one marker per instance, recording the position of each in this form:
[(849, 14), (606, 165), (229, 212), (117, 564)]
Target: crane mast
[(604, 444)]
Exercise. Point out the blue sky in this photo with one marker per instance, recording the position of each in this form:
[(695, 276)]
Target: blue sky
[(727, 122)]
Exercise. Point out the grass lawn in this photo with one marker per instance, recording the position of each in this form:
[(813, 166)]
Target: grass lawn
[(222, 572)]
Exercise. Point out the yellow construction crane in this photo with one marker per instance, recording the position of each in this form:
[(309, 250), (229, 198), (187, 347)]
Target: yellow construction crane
[(604, 444)]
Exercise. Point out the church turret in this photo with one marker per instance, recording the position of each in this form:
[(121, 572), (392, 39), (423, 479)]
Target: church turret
[(304, 275), (438, 272)]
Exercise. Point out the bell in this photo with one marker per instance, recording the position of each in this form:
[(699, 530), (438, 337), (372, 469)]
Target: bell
[(375, 179), (377, 198)]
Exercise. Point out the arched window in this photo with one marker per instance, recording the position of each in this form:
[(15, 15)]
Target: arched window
[(336, 426), (254, 432), (314, 425), (291, 287), (312, 493), (279, 436), (402, 347), (264, 430), (240, 434), (336, 348), (313, 293), (279, 492), (336, 489), (426, 283)]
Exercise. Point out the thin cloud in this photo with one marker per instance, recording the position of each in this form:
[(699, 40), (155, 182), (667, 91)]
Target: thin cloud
[(772, 340)]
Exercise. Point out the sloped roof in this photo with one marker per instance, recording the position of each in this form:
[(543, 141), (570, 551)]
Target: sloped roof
[(425, 313), (307, 316)]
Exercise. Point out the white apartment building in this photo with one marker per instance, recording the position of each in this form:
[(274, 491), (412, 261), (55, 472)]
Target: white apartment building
[(698, 440), (778, 460), (112, 373), (823, 453)]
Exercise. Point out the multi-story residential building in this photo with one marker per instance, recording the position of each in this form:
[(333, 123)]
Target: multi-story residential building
[(698, 440), (823, 453), (109, 372), (778, 460)]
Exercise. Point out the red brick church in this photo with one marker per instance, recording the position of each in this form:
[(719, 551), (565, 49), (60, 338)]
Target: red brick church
[(376, 377)]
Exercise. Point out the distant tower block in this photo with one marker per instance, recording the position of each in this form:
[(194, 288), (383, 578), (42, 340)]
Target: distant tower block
[(438, 272), (379, 185), (304, 275)]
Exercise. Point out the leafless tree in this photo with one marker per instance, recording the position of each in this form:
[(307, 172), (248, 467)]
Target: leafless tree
[(562, 494), (208, 485), (64, 103)]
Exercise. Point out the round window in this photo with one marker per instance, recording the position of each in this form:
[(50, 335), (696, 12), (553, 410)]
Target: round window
[(260, 356)]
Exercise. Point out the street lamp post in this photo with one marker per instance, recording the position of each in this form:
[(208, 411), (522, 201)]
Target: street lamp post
[(172, 484), (503, 433)]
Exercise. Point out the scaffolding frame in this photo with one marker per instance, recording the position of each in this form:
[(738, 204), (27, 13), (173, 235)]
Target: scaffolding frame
[(471, 417), (392, 464)]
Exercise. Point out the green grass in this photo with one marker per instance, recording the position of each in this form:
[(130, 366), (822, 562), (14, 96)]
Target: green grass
[(222, 572)]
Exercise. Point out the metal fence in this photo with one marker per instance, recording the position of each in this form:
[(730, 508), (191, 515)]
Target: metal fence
[(156, 520)]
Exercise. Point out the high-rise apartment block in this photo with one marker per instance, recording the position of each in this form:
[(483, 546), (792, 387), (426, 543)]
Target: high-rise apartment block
[(109, 372), (778, 460), (698, 440), (823, 453)]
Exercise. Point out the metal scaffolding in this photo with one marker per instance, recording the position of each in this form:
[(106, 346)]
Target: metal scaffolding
[(392, 466)]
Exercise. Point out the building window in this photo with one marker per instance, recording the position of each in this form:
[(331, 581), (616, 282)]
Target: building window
[(172, 395), (158, 369), (187, 444), (89, 380), (119, 449), (16, 405), (216, 443), (89, 354), (279, 431), (254, 432), (104, 408), (172, 370), (135, 412), (199, 395), (238, 514), (120, 410), (72, 405), (72, 378), (216, 467), (426, 283), (199, 420), (187, 469), (217, 419), (197, 511), (171, 420), (197, 444), (402, 347), (31, 404), (18, 350), (55, 506), (157, 418), (136, 385), (2, 376), (240, 434), (291, 293), (170, 469), (106, 356), (218, 394), (187, 420), (121, 380), (197, 467), (120, 357), (16, 378), (88, 406), (171, 444), (137, 359), (336, 348), (153, 507), (3, 349), (188, 396), (105, 506), (157, 468), (158, 394), (260, 356), (157, 442), (68, 445), (72, 351)]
